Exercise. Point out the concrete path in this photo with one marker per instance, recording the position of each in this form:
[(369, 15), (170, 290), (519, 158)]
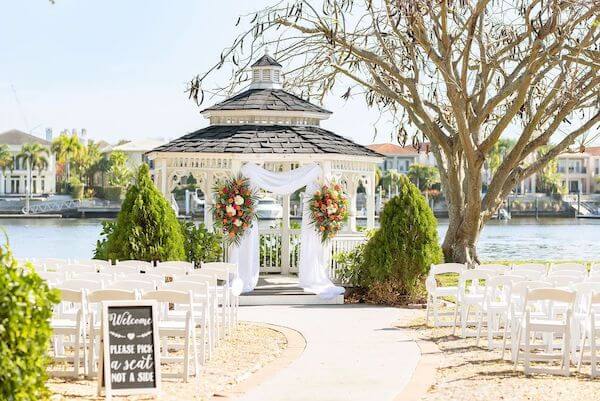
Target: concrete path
[(352, 353)]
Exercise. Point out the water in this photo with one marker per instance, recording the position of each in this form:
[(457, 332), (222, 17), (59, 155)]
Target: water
[(518, 239)]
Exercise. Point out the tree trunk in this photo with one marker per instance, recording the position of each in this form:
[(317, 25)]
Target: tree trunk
[(460, 242)]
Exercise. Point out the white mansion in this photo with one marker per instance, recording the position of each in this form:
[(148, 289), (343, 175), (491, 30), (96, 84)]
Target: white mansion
[(13, 182)]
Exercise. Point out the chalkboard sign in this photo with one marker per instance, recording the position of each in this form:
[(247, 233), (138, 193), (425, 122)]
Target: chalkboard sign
[(130, 360)]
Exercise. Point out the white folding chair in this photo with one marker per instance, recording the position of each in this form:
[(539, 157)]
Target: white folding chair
[(169, 327), (471, 285), (187, 266), (223, 294), (436, 292), (590, 330), (560, 267), (518, 293), (231, 284), (53, 278), (496, 305), (564, 281), (89, 285), (494, 268), (531, 275), (167, 271), (94, 298), (542, 300), (140, 286), (105, 277), (77, 269), (139, 264), (97, 263), (69, 329), (540, 267), (200, 309), (211, 282)]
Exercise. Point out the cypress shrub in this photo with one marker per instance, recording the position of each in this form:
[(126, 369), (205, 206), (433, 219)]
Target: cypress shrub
[(398, 255), (146, 227), (25, 311)]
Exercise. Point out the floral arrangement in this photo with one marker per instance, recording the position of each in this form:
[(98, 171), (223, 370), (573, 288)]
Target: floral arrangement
[(329, 210), (234, 210)]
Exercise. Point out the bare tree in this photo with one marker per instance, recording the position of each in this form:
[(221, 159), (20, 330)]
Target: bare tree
[(459, 73)]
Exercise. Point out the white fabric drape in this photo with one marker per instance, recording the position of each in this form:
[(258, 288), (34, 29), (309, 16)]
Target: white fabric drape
[(311, 269)]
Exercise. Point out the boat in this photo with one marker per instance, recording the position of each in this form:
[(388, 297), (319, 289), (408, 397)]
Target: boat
[(268, 209)]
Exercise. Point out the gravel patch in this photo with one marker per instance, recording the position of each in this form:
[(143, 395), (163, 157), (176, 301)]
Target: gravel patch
[(472, 373), (247, 349)]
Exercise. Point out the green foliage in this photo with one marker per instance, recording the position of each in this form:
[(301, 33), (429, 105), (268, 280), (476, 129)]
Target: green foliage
[(113, 193), (549, 180), (6, 159), (350, 266), (200, 244), (390, 181), (498, 152), (25, 311), (424, 177), (146, 228), (101, 251), (66, 148), (119, 175), (402, 250)]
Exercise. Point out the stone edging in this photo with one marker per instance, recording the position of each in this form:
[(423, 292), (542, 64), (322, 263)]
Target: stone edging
[(425, 372), (296, 343)]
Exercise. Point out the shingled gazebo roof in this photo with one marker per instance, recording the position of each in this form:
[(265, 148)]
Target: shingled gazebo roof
[(266, 139), (267, 99)]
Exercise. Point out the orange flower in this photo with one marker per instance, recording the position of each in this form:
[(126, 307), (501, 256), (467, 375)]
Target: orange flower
[(245, 226), (322, 228), (230, 200), (224, 221), (231, 234)]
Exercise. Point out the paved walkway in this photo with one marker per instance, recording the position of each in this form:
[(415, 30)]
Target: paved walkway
[(352, 353)]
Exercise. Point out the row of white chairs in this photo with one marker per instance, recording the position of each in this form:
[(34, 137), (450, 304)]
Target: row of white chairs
[(499, 294), (205, 301)]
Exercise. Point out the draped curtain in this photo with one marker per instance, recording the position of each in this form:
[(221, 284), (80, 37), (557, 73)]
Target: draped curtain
[(311, 270)]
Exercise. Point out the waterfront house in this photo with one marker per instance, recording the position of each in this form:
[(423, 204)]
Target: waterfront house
[(580, 171), (135, 150), (13, 182), (400, 158)]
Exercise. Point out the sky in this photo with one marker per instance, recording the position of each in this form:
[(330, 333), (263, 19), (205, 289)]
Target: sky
[(119, 68)]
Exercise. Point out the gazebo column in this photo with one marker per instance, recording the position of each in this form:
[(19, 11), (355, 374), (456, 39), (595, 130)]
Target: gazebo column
[(163, 177), (285, 236), (352, 192), (370, 189), (208, 201)]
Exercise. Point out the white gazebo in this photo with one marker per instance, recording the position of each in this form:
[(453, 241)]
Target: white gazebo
[(279, 131)]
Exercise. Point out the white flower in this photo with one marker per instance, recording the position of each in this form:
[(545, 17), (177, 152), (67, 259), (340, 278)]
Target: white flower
[(331, 209), (230, 210), (237, 222), (238, 200)]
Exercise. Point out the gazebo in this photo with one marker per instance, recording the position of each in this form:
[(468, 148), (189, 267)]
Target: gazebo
[(279, 131)]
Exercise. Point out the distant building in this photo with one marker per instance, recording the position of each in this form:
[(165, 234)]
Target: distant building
[(135, 150), (400, 158), (14, 182), (580, 171)]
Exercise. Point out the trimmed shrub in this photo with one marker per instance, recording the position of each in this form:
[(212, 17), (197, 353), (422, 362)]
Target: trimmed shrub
[(146, 227), (399, 254), (25, 311), (200, 244)]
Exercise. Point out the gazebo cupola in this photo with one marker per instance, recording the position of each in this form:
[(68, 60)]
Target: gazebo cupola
[(266, 73)]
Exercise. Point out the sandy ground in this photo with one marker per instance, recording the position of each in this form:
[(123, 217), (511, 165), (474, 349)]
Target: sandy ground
[(237, 356), (473, 373)]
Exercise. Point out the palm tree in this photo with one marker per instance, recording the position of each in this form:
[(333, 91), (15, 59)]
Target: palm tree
[(6, 163), (66, 147), (36, 157)]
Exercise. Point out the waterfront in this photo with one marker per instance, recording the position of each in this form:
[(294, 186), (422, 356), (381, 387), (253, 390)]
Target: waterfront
[(518, 239)]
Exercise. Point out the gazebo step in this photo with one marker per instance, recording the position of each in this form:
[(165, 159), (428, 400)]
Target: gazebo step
[(267, 298)]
